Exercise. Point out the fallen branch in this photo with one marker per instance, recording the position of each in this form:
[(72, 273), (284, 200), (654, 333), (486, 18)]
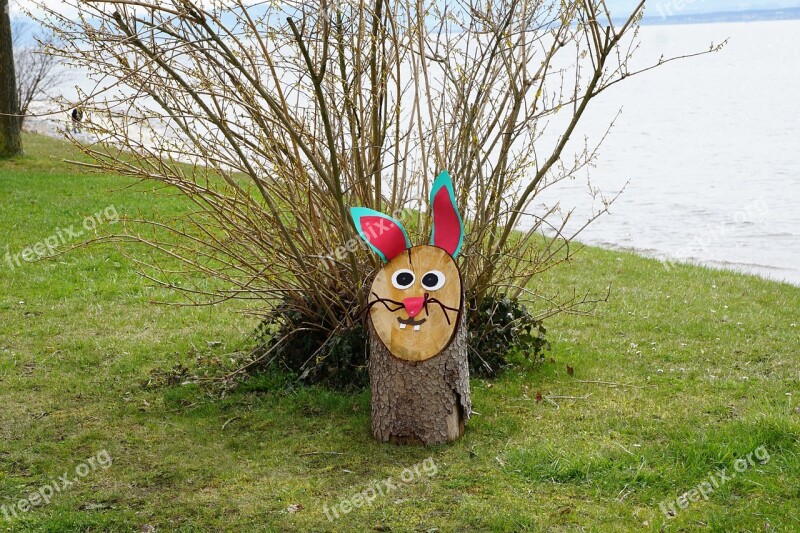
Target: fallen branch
[(320, 453), (228, 422), (609, 383)]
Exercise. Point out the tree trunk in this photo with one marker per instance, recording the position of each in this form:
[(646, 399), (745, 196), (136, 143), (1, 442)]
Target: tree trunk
[(10, 140), (424, 402)]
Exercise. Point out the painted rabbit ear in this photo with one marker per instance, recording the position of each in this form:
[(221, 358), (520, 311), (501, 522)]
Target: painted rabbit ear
[(448, 229), (381, 232)]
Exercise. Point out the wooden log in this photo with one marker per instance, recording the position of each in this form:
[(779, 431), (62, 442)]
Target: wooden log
[(425, 402), (417, 331)]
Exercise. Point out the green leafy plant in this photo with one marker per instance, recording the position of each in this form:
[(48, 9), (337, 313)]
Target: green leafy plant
[(498, 329)]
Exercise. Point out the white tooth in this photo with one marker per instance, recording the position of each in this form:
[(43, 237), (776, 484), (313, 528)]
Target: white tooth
[(416, 328), (402, 326)]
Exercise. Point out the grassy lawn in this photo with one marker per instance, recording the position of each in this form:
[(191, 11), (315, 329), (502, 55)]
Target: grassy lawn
[(683, 373)]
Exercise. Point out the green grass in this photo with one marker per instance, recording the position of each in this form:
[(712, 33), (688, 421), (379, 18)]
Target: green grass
[(692, 369)]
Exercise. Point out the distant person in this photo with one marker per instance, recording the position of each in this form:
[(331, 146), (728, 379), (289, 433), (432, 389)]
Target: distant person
[(77, 117)]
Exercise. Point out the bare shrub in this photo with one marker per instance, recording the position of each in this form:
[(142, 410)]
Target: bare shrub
[(273, 118)]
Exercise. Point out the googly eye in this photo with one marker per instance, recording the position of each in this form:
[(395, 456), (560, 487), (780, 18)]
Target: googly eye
[(433, 280), (402, 279)]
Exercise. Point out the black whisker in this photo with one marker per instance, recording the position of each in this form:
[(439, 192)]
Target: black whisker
[(440, 304), (400, 305), (383, 301)]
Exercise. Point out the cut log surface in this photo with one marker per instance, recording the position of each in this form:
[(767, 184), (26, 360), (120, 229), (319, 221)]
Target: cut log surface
[(428, 333), (425, 402)]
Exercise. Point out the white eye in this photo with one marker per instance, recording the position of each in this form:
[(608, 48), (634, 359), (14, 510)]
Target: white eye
[(433, 280), (402, 279)]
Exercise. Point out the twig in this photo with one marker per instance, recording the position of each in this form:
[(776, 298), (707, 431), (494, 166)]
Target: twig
[(549, 399), (610, 383), (320, 453), (228, 422), (624, 449)]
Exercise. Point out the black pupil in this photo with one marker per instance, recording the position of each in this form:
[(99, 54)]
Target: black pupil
[(405, 278), (430, 280)]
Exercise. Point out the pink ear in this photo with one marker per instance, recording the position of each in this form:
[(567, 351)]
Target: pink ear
[(448, 230), (381, 232)]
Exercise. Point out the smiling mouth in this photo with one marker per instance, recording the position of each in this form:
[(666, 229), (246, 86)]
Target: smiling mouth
[(411, 322)]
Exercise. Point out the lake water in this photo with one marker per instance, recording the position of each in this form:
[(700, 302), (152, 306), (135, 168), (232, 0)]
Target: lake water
[(710, 147)]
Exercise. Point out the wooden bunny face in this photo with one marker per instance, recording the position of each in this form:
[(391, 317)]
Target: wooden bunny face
[(416, 299)]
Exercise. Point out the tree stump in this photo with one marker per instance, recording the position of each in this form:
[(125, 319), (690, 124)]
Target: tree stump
[(426, 402), (418, 368)]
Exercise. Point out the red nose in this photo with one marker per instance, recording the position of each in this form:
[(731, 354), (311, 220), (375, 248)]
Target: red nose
[(414, 305)]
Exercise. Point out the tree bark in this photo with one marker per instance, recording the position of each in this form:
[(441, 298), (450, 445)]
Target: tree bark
[(10, 139), (424, 402)]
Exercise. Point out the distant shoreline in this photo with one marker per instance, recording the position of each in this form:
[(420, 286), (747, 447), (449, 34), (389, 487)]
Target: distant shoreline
[(663, 14)]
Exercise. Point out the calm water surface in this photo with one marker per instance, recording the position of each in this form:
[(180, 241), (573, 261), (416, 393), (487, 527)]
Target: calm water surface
[(710, 147)]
